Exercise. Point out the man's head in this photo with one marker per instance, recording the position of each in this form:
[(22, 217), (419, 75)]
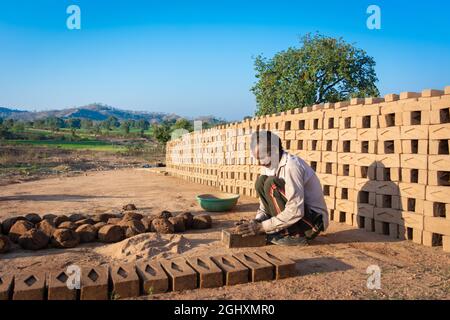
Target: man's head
[(266, 147)]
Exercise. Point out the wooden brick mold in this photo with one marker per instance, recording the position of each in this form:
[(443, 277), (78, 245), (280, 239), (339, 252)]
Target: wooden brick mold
[(233, 240)]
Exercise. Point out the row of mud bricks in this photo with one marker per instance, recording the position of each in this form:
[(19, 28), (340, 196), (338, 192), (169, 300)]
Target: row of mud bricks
[(384, 163), (149, 277)]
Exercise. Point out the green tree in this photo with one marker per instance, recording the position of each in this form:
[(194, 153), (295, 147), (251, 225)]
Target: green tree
[(162, 132), (54, 123), (183, 124), (87, 124), (323, 69), (125, 126), (142, 124), (110, 123)]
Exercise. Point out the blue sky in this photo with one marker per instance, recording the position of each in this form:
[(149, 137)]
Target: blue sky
[(196, 57)]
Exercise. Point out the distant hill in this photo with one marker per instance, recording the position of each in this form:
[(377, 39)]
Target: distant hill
[(97, 112)]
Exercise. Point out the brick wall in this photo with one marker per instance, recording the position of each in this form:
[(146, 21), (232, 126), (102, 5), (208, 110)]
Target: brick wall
[(384, 163)]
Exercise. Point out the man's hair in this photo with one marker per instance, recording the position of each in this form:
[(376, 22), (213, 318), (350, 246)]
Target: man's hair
[(267, 140)]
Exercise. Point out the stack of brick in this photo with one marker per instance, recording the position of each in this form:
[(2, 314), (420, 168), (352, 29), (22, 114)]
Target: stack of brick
[(383, 162)]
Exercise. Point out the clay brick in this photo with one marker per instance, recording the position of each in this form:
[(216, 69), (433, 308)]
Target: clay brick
[(446, 239), (181, 275), (57, 287), (153, 278), (415, 146), (6, 287), (409, 95), (391, 97), (432, 93), (234, 271), (209, 275), (412, 190), (29, 286), (233, 240), (94, 283), (447, 90), (260, 270), (125, 281), (284, 267), (437, 225)]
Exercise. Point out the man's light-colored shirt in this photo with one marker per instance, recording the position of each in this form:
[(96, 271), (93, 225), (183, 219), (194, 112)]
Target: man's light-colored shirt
[(302, 186)]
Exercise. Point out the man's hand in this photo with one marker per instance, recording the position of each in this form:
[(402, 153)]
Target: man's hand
[(251, 228)]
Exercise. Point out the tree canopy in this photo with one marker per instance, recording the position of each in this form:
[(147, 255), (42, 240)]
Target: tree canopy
[(323, 69)]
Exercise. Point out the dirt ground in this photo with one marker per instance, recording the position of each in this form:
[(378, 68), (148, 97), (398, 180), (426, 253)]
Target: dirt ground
[(332, 267)]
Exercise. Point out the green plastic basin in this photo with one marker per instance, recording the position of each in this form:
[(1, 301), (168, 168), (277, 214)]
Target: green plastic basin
[(217, 202)]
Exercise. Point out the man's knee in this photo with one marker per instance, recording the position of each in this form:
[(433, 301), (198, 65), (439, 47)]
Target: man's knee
[(269, 183), (259, 185)]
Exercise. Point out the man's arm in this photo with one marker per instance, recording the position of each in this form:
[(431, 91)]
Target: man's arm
[(294, 208)]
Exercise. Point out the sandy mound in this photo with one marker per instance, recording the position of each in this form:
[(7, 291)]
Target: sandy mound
[(146, 245)]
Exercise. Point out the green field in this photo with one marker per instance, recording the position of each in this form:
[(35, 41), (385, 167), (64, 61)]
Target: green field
[(92, 145)]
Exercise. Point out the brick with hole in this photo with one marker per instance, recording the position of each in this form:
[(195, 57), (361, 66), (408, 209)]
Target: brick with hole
[(202, 221), (33, 239), (5, 244), (34, 218), (6, 287), (47, 227), (110, 233), (19, 228), (125, 281), (234, 271), (209, 275), (29, 286), (152, 277), (163, 226), (284, 267), (181, 275), (94, 283), (87, 233), (58, 288), (65, 238), (131, 228), (178, 223), (260, 270)]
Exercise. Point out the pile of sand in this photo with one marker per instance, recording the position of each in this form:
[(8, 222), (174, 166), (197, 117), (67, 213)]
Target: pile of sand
[(146, 245)]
